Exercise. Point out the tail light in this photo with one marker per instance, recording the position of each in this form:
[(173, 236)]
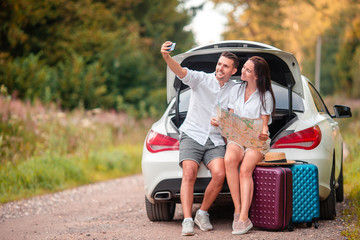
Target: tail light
[(306, 139), (156, 142)]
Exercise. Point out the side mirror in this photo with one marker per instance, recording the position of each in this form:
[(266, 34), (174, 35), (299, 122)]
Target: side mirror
[(342, 111)]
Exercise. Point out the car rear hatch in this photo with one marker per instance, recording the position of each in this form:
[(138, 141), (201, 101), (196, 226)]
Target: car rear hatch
[(284, 67)]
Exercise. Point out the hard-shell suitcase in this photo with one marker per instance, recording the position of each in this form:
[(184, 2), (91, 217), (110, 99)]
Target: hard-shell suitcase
[(306, 203), (271, 207)]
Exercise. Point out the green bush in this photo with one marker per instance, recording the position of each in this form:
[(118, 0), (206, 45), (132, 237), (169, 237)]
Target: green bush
[(91, 54), (351, 133), (26, 77), (39, 175), (45, 149)]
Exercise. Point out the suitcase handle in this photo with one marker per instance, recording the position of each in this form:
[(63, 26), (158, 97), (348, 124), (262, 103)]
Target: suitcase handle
[(301, 161)]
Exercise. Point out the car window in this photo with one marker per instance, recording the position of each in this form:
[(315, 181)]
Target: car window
[(281, 98), (319, 103)]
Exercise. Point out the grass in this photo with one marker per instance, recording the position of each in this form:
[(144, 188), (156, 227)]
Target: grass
[(351, 183), (45, 150), (350, 129), (351, 180), (45, 174)]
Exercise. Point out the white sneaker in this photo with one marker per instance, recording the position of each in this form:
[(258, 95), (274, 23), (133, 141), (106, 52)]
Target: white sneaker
[(241, 227), (187, 227), (236, 218), (203, 221)]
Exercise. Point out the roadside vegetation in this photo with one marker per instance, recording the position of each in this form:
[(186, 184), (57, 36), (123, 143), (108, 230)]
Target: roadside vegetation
[(352, 179), (351, 134), (350, 129), (44, 149)]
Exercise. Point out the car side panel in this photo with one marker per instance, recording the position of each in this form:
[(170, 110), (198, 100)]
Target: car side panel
[(322, 155)]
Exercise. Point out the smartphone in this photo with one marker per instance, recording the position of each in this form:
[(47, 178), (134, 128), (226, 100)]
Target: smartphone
[(172, 47)]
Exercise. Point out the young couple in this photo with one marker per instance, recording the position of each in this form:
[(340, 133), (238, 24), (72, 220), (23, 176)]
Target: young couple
[(201, 139)]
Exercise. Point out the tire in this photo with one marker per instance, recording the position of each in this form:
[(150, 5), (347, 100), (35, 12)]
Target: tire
[(161, 211), (328, 206), (340, 189)]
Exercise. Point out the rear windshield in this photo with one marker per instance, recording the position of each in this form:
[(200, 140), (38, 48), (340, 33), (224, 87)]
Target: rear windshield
[(281, 98)]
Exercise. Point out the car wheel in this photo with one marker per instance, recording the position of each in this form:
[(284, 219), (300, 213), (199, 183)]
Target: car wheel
[(161, 211), (328, 206), (340, 189)]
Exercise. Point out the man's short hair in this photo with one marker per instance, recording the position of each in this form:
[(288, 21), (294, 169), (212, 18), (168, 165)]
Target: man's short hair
[(233, 57)]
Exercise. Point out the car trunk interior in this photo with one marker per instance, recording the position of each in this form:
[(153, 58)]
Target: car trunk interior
[(280, 122), (280, 73)]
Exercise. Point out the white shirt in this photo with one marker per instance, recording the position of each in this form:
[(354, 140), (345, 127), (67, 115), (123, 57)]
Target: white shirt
[(205, 96), (252, 108)]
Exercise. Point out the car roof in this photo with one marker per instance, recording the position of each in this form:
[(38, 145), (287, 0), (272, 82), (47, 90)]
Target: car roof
[(283, 66)]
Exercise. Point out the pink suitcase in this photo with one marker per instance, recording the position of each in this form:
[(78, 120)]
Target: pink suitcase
[(271, 206)]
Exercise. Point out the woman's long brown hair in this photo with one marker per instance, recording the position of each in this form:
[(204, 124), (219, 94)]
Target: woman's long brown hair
[(263, 83)]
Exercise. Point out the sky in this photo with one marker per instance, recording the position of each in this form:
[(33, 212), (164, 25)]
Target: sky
[(209, 23)]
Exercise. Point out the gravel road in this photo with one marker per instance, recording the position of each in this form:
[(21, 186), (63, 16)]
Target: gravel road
[(115, 210)]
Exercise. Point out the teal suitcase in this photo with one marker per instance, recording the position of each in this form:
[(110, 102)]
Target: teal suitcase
[(306, 203)]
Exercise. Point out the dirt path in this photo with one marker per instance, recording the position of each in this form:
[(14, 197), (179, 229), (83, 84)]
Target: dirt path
[(116, 210)]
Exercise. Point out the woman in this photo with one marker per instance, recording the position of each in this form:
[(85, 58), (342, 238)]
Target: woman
[(254, 99)]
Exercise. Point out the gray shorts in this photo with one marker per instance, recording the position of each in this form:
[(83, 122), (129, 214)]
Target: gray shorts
[(192, 150)]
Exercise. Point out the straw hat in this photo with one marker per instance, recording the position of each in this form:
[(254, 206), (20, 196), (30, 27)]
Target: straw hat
[(274, 159)]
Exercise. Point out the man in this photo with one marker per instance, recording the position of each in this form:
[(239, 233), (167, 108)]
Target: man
[(200, 141)]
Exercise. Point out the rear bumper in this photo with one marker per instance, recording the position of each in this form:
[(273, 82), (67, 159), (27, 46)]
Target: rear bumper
[(169, 190), (162, 176)]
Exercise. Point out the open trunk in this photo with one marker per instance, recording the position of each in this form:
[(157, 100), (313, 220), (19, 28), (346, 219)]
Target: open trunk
[(280, 122), (284, 72)]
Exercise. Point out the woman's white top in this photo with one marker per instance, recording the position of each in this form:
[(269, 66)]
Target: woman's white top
[(252, 108)]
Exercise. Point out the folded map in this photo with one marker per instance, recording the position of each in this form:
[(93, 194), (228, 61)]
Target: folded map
[(243, 131)]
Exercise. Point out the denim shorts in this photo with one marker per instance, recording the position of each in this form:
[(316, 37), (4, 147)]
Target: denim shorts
[(192, 150)]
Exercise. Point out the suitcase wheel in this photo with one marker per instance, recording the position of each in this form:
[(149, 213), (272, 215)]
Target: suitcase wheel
[(316, 224), (291, 226)]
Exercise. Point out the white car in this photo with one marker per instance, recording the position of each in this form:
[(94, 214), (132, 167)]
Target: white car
[(302, 127)]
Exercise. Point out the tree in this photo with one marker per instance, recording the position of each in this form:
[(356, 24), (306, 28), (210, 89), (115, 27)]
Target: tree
[(347, 58), (255, 20), (294, 26), (111, 45)]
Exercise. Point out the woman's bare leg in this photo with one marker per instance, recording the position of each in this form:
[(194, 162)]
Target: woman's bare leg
[(233, 156), (247, 167)]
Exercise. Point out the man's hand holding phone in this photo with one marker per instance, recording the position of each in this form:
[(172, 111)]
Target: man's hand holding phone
[(172, 47), (168, 47)]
